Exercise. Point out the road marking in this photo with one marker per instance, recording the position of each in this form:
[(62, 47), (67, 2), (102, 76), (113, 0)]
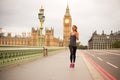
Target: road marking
[(111, 65), (114, 53), (92, 55), (100, 58), (104, 73)]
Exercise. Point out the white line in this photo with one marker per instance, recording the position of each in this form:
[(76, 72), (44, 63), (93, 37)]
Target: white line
[(93, 55), (111, 65), (100, 58), (114, 53)]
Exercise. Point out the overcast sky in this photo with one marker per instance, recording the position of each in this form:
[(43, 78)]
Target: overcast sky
[(19, 16)]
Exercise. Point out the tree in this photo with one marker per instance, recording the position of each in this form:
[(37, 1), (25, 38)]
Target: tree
[(116, 44), (82, 47)]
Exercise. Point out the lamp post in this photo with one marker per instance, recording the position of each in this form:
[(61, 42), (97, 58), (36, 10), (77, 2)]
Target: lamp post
[(41, 17), (108, 42)]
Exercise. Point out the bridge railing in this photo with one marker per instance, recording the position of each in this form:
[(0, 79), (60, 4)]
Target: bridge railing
[(17, 55)]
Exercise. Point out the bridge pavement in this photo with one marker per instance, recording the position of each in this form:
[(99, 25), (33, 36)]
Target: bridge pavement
[(54, 67)]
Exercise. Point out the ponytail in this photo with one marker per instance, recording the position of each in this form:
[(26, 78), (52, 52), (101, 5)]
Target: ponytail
[(75, 27)]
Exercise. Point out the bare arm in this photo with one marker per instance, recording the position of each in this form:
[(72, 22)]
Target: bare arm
[(77, 35)]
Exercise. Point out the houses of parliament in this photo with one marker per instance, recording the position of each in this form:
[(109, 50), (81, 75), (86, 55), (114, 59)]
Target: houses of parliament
[(33, 38)]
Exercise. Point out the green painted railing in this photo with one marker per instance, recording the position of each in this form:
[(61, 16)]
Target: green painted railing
[(10, 56)]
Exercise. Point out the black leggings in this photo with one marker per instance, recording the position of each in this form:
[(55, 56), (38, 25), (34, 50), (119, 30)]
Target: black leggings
[(72, 53)]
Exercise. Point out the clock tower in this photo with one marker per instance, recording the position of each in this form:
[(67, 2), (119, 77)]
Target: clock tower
[(67, 22)]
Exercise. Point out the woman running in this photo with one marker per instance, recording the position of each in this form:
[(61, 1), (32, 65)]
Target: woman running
[(74, 35)]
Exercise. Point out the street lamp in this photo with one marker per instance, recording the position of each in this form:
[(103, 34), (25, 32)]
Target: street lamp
[(41, 17), (107, 42)]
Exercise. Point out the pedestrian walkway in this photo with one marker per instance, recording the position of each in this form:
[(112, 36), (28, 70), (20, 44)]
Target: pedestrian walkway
[(54, 67)]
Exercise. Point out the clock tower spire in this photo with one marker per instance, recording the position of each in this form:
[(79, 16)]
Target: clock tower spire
[(67, 22)]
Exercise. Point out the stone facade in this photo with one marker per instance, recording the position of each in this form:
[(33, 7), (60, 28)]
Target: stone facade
[(50, 40), (103, 41), (67, 22), (31, 40)]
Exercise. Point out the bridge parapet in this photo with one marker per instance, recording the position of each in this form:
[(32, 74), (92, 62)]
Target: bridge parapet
[(10, 55)]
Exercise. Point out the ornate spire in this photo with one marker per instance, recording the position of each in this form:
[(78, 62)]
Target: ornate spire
[(111, 32), (103, 32), (67, 6), (67, 9)]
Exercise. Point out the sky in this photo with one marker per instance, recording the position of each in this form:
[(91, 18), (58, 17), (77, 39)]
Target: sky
[(17, 16)]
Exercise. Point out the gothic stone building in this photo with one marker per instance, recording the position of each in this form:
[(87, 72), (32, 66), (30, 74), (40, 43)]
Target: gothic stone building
[(31, 40), (103, 41), (67, 22), (50, 40)]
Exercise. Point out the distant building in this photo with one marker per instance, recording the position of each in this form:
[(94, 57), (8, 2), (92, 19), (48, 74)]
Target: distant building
[(103, 41), (50, 40), (31, 40)]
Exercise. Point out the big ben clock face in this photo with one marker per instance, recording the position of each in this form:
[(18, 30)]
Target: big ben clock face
[(66, 20)]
